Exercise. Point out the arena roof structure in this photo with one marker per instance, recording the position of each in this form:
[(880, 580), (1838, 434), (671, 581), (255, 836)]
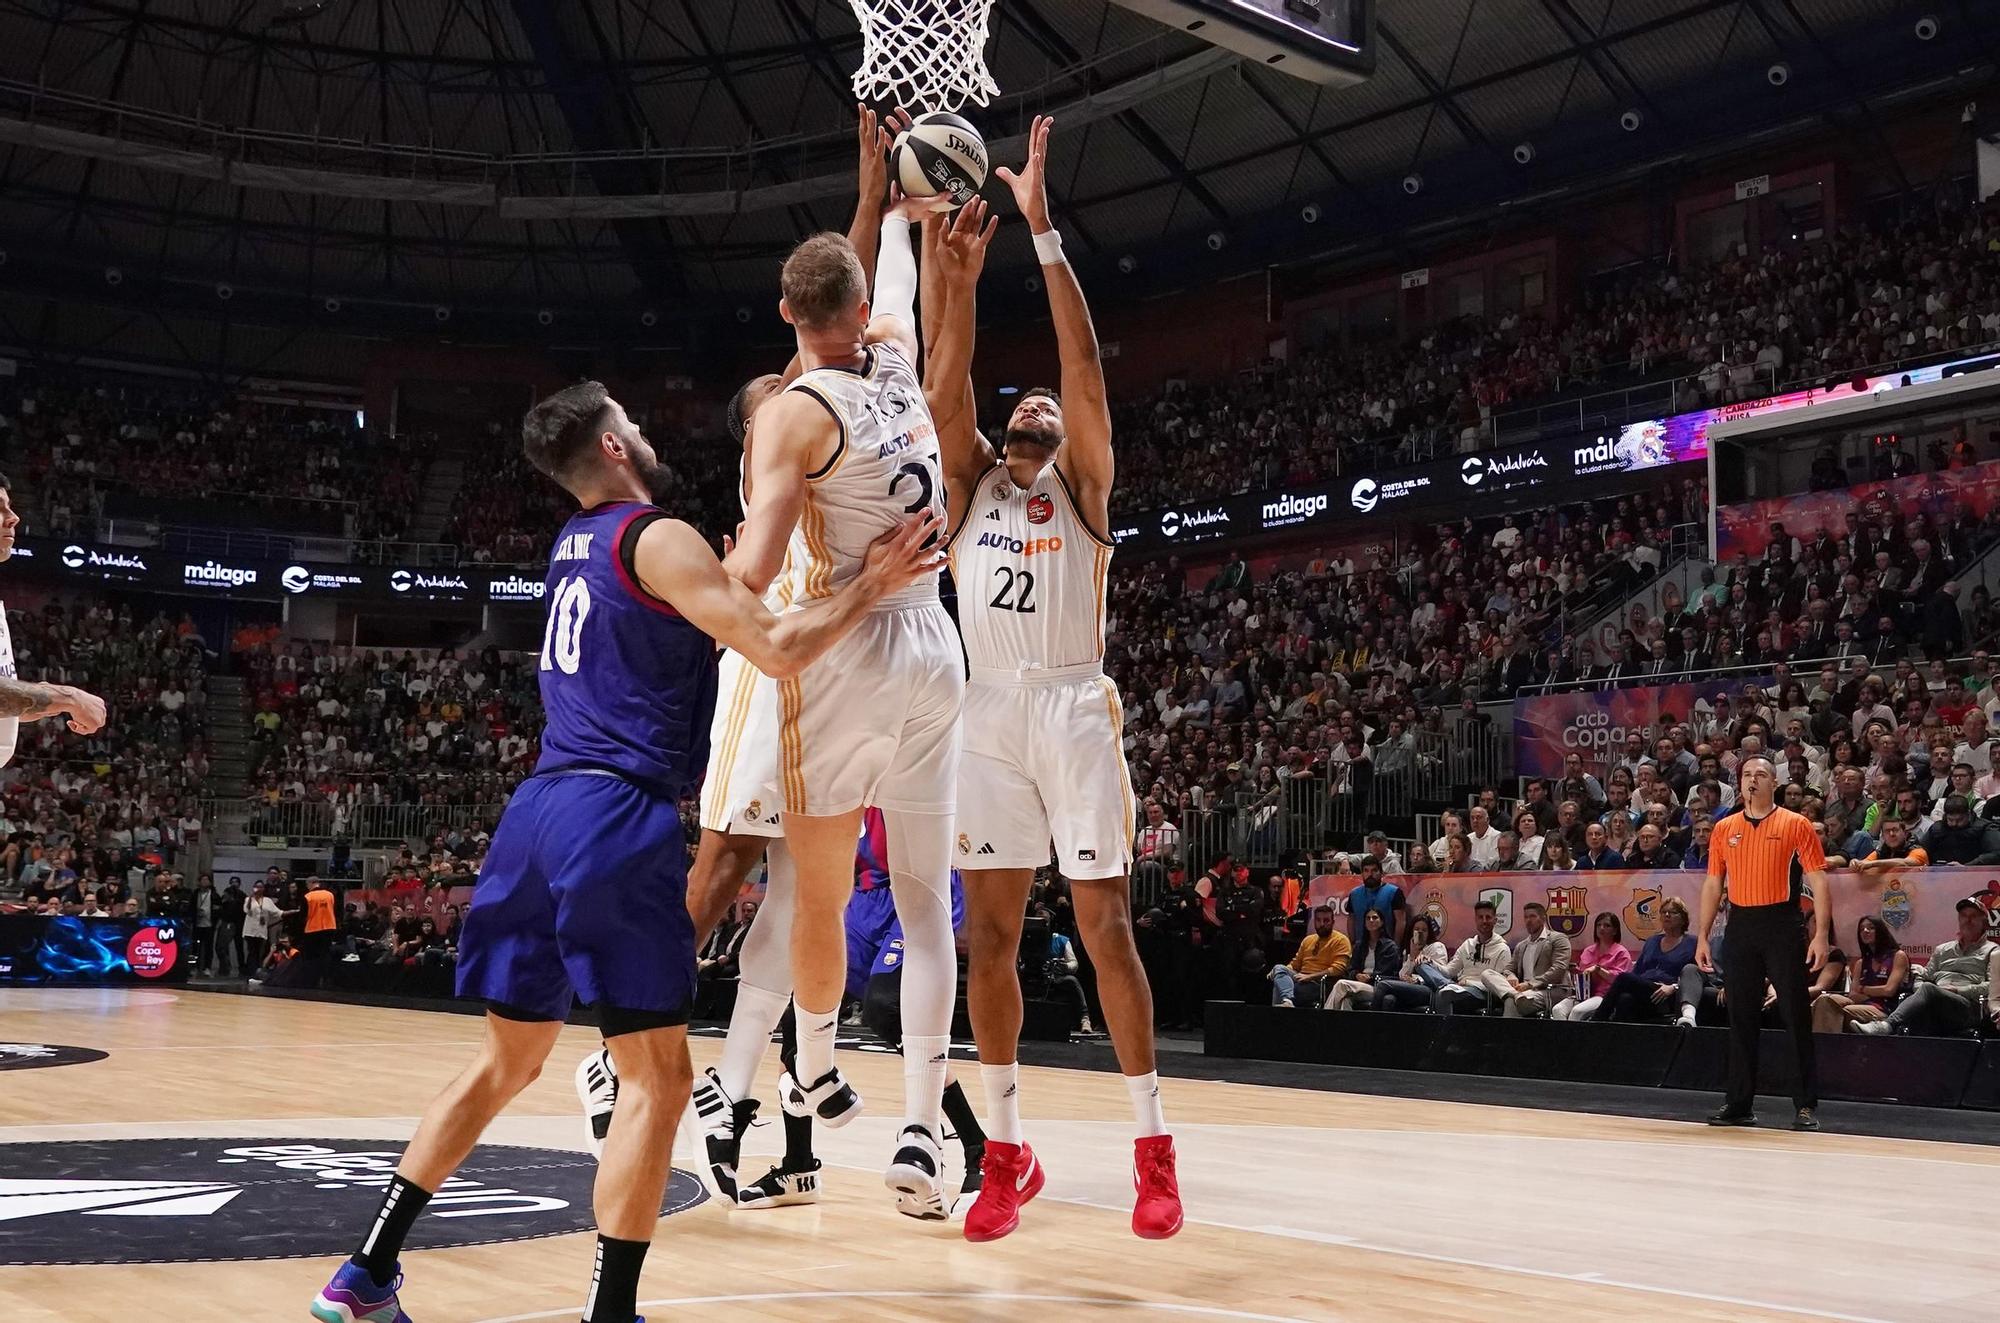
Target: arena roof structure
[(543, 170)]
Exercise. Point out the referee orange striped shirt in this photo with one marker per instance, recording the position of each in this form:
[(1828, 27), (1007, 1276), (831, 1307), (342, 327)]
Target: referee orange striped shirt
[(1755, 857)]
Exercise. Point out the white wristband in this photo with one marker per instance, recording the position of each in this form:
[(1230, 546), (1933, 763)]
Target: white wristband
[(1048, 247)]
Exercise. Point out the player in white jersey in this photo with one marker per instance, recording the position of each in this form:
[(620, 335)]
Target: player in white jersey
[(849, 447), (1044, 764), (20, 701)]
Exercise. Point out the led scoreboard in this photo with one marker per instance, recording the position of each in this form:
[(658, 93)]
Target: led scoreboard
[(1326, 41)]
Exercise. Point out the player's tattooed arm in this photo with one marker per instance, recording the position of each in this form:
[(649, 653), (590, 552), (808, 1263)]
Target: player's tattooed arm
[(675, 564), (32, 702)]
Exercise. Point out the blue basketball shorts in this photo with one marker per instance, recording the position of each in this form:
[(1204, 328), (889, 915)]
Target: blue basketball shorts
[(584, 896), (871, 917)]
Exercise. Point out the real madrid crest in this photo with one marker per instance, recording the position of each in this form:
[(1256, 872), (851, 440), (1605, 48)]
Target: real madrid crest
[(1001, 491)]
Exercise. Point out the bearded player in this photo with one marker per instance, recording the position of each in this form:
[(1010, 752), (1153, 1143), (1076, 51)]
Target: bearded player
[(1043, 759)]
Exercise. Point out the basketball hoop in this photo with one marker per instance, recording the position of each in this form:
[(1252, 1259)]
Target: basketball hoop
[(924, 54)]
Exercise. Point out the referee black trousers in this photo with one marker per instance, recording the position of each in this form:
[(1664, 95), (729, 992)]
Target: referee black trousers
[(1766, 941)]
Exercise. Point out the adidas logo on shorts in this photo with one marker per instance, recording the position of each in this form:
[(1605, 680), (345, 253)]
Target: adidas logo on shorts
[(987, 848)]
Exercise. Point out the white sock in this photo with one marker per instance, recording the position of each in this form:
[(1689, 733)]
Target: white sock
[(815, 1043), (924, 1058), (1687, 1015), (1003, 1101), (757, 1013), (1145, 1090)]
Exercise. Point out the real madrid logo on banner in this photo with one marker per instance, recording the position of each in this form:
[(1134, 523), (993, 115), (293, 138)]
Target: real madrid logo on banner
[(1440, 917), (1895, 906), (1569, 910)]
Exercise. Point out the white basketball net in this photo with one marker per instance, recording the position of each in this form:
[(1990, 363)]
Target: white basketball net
[(924, 54)]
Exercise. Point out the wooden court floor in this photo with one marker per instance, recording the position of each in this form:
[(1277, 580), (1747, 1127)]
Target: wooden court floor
[(1302, 1205)]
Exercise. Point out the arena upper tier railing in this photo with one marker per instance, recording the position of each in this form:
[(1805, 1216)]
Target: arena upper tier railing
[(1301, 819), (370, 826)]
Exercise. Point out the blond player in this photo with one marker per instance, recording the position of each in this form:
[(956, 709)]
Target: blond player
[(1043, 764), (845, 451), (741, 814)]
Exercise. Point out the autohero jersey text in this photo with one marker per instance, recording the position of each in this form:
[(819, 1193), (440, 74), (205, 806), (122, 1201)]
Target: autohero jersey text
[(1030, 547)]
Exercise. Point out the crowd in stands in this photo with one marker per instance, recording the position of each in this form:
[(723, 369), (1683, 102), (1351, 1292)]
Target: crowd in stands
[(344, 729), (66, 442), (87, 819), (1735, 329), (507, 513), (1887, 592), (1390, 958), (1896, 767), (1245, 696)]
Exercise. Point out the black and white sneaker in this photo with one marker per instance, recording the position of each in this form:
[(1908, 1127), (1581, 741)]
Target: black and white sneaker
[(830, 1100), (916, 1175), (722, 1123), (597, 1090), (781, 1187)]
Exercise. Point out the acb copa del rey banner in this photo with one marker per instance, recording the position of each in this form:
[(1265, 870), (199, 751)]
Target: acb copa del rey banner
[(1920, 905), (1594, 722)]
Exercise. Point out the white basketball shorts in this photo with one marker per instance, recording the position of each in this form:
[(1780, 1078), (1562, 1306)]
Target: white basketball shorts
[(1045, 765), (875, 720), (739, 795)]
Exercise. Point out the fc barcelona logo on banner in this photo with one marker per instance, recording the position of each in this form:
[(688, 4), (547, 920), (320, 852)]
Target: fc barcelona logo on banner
[(1569, 910)]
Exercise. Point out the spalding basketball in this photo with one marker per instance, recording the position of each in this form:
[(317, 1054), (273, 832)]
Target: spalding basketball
[(940, 153)]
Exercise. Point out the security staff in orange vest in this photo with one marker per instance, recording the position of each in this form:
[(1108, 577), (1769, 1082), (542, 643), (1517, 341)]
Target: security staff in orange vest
[(1764, 855)]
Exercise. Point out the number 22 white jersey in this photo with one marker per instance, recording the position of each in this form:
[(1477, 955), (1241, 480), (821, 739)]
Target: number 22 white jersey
[(1030, 576), (887, 468)]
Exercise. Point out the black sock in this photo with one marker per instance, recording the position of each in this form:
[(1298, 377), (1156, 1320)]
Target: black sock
[(798, 1142), (614, 1282), (384, 1242), (959, 1112)]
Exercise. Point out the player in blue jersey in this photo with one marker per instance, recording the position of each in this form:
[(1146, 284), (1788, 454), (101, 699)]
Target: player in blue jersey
[(636, 604), (875, 950)]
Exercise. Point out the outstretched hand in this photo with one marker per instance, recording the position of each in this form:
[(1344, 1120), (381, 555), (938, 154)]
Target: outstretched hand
[(961, 243), (874, 136), (1030, 184), (914, 209)]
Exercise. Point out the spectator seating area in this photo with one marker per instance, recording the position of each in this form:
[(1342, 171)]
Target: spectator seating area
[(87, 817), (1333, 696), (507, 513), (1733, 330), (371, 746), (69, 442), (1887, 591)]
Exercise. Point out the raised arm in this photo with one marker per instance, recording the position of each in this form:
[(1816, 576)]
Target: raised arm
[(1085, 458), (675, 564), (959, 254), (873, 136), (32, 702), (792, 427), (893, 309)]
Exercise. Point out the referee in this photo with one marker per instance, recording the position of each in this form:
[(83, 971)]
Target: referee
[(1764, 854)]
